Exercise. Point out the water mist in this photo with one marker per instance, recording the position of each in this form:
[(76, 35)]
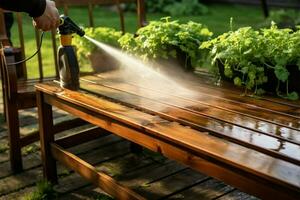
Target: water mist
[(135, 70)]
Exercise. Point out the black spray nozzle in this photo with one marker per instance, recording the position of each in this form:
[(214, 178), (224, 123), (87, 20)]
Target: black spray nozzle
[(67, 26)]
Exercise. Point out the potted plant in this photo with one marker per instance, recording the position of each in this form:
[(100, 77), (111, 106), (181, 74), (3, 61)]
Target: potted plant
[(261, 60), (167, 39), (90, 54)]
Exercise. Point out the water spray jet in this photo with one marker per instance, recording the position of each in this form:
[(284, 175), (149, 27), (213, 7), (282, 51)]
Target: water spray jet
[(135, 70)]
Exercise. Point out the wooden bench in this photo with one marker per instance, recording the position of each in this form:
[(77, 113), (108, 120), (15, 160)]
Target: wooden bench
[(252, 144), (18, 88)]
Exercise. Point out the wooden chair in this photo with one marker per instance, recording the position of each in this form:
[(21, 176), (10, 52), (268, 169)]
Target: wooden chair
[(18, 89)]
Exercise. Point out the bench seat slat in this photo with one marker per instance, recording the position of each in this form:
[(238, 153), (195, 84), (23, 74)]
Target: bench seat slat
[(206, 84), (261, 142), (227, 90), (251, 102), (233, 118), (200, 99)]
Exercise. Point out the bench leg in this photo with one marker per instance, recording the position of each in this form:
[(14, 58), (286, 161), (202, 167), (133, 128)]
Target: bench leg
[(46, 138), (14, 137)]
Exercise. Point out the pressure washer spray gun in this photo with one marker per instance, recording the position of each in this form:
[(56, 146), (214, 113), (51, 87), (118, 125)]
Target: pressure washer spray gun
[(67, 59)]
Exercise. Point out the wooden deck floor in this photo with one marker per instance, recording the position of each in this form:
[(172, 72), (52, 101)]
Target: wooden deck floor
[(152, 176)]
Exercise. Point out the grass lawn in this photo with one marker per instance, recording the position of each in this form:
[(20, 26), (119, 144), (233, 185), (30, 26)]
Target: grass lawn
[(217, 20)]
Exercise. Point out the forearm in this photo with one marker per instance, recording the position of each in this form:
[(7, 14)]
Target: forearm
[(34, 8)]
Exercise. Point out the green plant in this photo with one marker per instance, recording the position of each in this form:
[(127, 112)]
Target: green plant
[(102, 34), (44, 191), (166, 38), (185, 7), (30, 149), (251, 57)]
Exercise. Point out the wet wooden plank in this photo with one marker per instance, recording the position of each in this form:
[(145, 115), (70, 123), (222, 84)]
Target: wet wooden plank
[(226, 87), (247, 122), (291, 110), (204, 81), (234, 114), (223, 151), (265, 143), (204, 99)]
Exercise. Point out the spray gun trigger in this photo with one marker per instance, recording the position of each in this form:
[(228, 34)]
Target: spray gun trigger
[(68, 27), (61, 21)]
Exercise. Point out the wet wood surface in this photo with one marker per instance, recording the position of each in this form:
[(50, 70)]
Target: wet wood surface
[(254, 142)]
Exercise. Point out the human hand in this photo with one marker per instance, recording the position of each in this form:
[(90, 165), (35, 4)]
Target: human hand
[(49, 19)]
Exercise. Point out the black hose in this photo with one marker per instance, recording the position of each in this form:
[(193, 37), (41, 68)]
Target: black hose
[(26, 59)]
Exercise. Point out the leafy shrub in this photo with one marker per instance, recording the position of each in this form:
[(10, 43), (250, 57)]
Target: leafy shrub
[(166, 38), (251, 57), (159, 39)]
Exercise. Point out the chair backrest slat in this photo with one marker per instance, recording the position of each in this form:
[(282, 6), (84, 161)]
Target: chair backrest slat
[(21, 36), (121, 14), (90, 13), (141, 13), (40, 62), (54, 45), (3, 35)]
